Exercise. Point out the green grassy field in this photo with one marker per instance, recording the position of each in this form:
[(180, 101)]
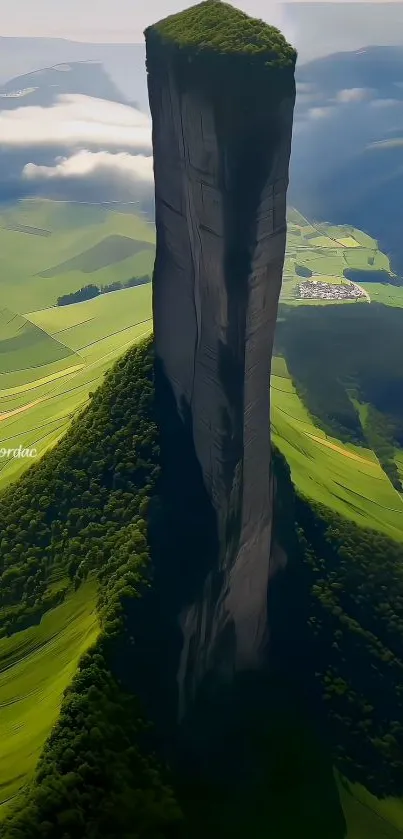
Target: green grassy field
[(76, 245), (24, 345), (347, 478), (36, 665), (37, 403), (52, 357), (389, 295), (368, 817)]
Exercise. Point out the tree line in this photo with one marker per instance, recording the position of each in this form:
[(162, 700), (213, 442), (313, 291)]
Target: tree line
[(88, 292)]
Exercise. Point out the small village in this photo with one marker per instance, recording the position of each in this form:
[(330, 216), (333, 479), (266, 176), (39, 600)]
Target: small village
[(317, 290)]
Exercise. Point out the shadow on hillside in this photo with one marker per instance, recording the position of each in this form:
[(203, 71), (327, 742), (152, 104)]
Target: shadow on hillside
[(246, 759), (254, 755)]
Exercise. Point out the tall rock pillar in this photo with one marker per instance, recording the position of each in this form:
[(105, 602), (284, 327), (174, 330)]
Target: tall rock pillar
[(222, 91)]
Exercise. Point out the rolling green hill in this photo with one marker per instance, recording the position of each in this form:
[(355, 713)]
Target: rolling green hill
[(50, 248), (110, 250), (38, 403), (23, 345)]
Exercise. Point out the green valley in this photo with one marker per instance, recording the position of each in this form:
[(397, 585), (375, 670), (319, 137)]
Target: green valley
[(326, 413)]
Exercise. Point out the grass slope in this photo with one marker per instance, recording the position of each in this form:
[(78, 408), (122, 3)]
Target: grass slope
[(94, 333), (25, 345), (37, 269), (368, 817), (346, 478), (36, 665), (109, 250)]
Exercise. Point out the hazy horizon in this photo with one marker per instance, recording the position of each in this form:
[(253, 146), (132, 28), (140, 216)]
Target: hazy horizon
[(76, 22)]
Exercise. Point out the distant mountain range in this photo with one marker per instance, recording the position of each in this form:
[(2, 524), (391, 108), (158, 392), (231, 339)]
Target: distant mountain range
[(42, 87), (124, 63)]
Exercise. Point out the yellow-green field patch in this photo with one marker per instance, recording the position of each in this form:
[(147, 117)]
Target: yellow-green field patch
[(322, 242), (349, 242), (368, 817), (16, 391)]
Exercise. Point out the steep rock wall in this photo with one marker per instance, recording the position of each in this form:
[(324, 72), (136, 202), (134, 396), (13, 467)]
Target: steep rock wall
[(221, 136)]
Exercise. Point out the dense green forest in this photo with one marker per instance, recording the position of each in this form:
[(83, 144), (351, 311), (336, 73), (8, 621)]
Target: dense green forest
[(335, 367), (87, 292), (83, 510)]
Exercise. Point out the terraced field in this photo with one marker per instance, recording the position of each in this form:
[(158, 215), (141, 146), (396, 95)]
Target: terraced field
[(36, 665)]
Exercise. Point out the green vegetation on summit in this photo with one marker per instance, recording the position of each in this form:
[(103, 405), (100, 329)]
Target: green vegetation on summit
[(218, 27)]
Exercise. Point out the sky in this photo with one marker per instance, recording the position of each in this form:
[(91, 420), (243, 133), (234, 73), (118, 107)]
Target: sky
[(118, 21)]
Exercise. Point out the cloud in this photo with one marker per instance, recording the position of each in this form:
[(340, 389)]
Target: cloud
[(95, 176), (87, 164), (77, 121), (353, 94), (320, 113)]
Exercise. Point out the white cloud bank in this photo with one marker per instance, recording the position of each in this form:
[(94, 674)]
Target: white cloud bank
[(76, 120), (87, 164)]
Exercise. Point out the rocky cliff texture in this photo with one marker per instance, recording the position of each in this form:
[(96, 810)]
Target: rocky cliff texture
[(221, 90)]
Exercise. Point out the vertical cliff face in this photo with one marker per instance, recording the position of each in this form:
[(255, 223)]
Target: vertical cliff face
[(222, 91)]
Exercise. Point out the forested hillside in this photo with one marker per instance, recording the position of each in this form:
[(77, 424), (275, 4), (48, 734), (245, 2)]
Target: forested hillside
[(82, 510)]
